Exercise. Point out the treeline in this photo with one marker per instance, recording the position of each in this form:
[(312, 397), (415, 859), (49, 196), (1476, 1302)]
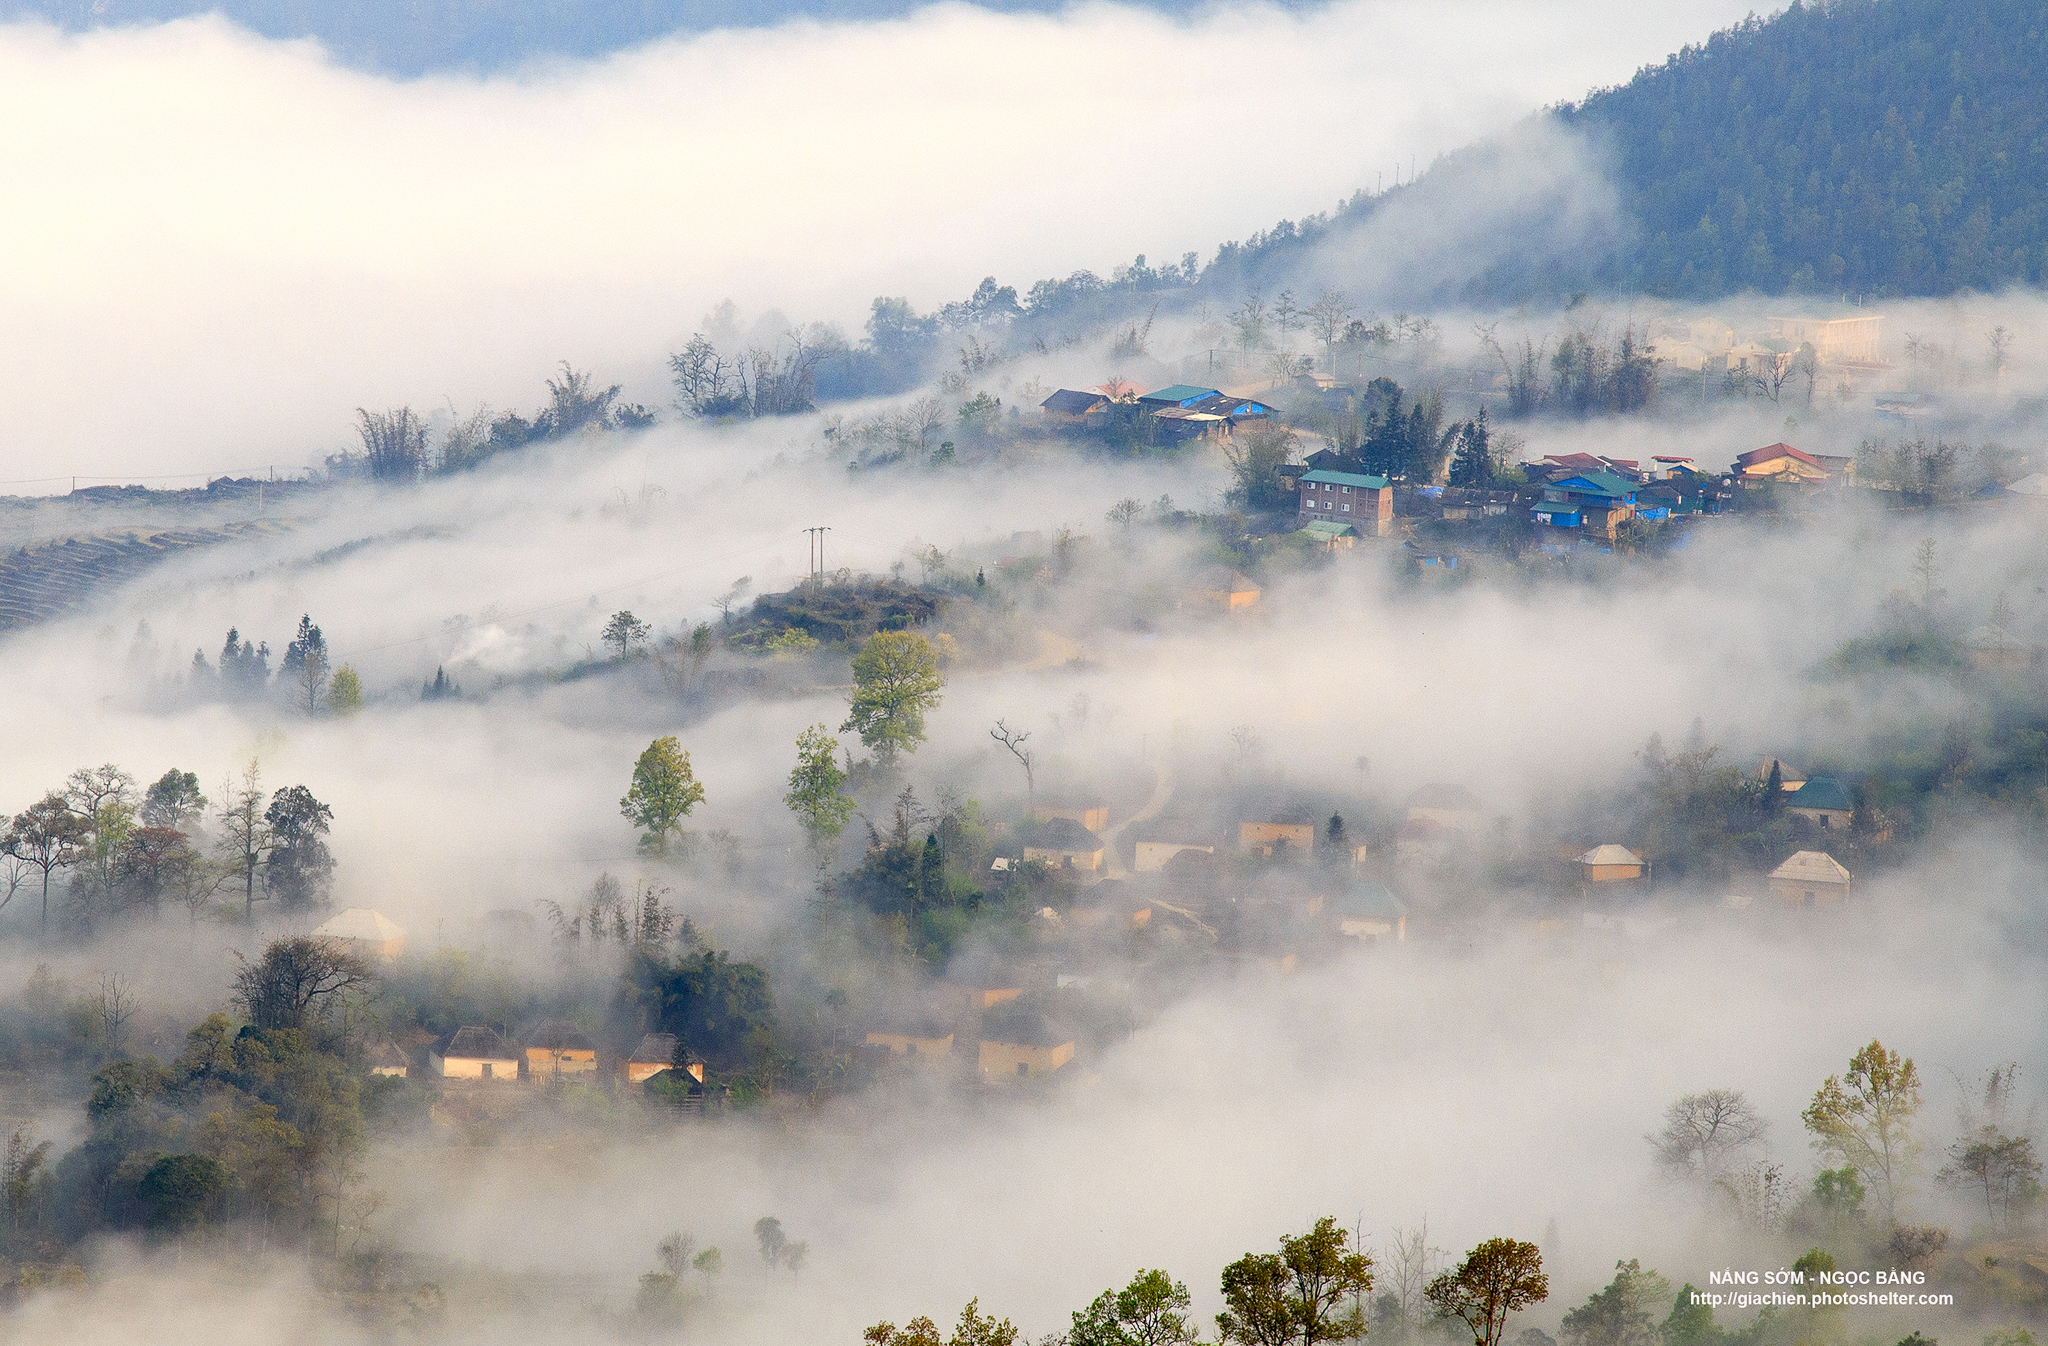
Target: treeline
[(130, 852), (305, 678)]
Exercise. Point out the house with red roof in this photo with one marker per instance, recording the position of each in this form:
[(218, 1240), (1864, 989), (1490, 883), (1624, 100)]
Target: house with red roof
[(1783, 463)]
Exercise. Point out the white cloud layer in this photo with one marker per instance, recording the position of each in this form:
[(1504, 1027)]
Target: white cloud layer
[(220, 246)]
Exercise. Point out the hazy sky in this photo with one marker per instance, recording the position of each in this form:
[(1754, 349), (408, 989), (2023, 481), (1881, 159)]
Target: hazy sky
[(224, 245)]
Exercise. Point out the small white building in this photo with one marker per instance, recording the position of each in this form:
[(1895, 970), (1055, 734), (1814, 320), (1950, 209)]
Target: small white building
[(1810, 879)]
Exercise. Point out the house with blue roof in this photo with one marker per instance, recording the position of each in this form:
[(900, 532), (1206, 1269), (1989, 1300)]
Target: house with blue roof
[(1366, 503), (1595, 503)]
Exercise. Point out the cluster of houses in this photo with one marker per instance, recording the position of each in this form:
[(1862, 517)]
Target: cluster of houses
[(550, 1052), (1181, 411)]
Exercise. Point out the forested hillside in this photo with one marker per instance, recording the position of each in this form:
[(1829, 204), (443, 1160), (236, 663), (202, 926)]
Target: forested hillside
[(1874, 146)]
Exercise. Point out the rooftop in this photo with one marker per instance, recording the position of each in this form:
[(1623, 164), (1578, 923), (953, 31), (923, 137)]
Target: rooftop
[(1610, 854), (1346, 479), (360, 923), (1180, 392), (1441, 796), (1822, 793), (478, 1044), (1811, 867), (1060, 834), (1072, 403)]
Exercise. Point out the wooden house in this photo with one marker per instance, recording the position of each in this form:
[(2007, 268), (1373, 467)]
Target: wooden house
[(1069, 407), (475, 1054), (1810, 879), (1822, 802), (367, 933)]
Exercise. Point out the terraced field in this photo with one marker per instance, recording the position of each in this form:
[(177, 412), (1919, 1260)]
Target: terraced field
[(49, 578)]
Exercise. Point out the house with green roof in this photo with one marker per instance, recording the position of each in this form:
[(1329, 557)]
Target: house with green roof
[(1823, 802), (1180, 396), (1591, 502), (1366, 503), (1368, 911)]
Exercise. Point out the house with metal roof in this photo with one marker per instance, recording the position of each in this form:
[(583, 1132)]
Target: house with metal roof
[(1592, 502), (1783, 463), (1368, 911), (1823, 802), (1181, 395), (1366, 503), (1810, 879)]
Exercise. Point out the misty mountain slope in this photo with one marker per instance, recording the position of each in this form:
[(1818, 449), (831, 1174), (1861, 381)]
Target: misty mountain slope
[(487, 35), (1880, 147)]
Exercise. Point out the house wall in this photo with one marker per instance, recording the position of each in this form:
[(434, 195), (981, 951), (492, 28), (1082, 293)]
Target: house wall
[(1368, 511), (904, 1044), (1000, 1060), (472, 1068), (1261, 836), (574, 1061), (1805, 893), (399, 1071), (1608, 873), (984, 997), (1457, 820), (1374, 927), (1153, 855), (1088, 860), (1829, 819)]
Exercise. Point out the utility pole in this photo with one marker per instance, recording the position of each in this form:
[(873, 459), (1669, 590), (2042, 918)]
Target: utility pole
[(815, 541)]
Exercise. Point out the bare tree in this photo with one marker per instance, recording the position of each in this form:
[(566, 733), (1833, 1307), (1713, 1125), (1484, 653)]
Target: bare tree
[(113, 1006), (1705, 1133), (726, 601), (1014, 741), (1771, 374), (1407, 1265), (244, 837), (1123, 512), (1327, 318), (281, 988), (2000, 341)]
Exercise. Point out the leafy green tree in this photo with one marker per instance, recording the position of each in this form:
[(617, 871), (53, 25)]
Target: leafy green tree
[(814, 785), (663, 792), (1864, 1118), (624, 632), (2001, 1167), (345, 692), (721, 1010), (179, 1189), (299, 868), (1151, 1311), (47, 835), (895, 683), (974, 1329), (1690, 1323), (1499, 1277), (173, 801), (1298, 1294), (1621, 1314), (1255, 459)]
